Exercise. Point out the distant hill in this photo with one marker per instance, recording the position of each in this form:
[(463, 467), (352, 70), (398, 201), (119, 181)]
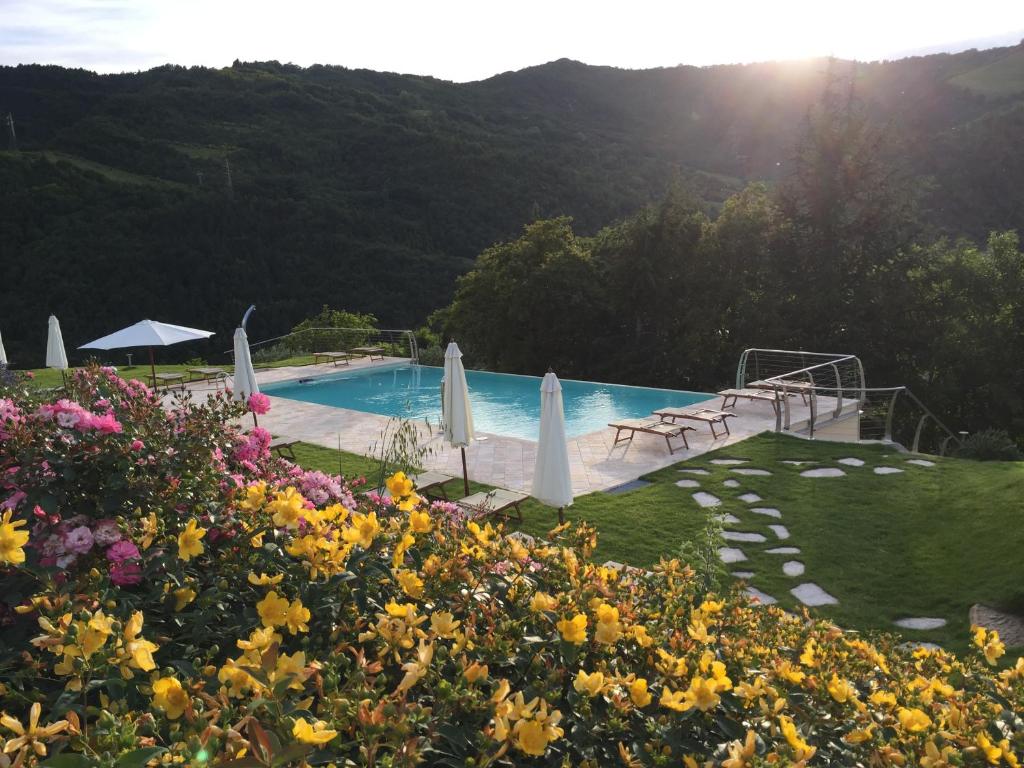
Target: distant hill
[(187, 194)]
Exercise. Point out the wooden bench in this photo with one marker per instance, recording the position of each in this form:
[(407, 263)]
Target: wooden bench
[(707, 415), (217, 375), (169, 381), (370, 352), (754, 395), (664, 429), (283, 447), (496, 502), (333, 357)]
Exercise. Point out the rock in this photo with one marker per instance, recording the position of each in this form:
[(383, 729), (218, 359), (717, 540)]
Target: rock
[(823, 472), (751, 472), (731, 555), (730, 483), (743, 574), (750, 498), (756, 594), (921, 623), (1009, 626), (767, 511), (793, 568), (780, 530), (783, 551), (887, 471), (852, 462), (726, 462), (727, 519), (695, 471), (687, 483), (740, 536), (921, 462), (706, 499), (811, 594)]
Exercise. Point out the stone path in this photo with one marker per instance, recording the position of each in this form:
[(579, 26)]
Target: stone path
[(852, 462), (887, 470), (706, 499), (813, 595), (823, 472), (730, 483), (750, 498), (687, 483), (922, 623), (754, 472)]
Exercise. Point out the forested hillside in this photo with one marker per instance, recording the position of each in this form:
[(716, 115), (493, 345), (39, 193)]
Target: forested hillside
[(187, 194)]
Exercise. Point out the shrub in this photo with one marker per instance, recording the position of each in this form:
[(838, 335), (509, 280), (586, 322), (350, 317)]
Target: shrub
[(989, 445), (173, 594)]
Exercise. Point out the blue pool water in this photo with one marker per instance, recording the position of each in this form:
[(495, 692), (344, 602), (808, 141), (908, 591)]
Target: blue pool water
[(503, 404)]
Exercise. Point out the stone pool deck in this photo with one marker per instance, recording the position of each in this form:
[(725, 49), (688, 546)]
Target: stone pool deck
[(507, 462)]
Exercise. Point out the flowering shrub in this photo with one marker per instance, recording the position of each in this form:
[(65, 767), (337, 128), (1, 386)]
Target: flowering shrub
[(193, 600)]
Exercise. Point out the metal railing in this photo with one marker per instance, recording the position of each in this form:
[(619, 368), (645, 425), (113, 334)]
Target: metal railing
[(337, 341), (833, 388)]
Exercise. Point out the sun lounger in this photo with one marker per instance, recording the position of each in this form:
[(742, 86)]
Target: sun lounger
[(802, 388), (708, 415), (333, 357), (426, 482), (217, 375), (370, 352), (754, 395), (169, 380), (664, 429), (496, 502), (283, 447)]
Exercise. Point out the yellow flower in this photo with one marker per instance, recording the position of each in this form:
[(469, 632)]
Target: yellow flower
[(259, 640), (149, 530), (913, 720), (475, 671), (702, 694), (592, 684), (362, 530), (883, 699), (419, 522), (296, 617), (399, 485), (287, 507), (139, 650), (801, 749), (531, 737), (443, 624), (264, 580), (807, 657), (741, 755), (935, 758), (33, 737), (182, 597), (994, 648), (860, 735), (790, 673), (640, 636), (189, 544), (609, 628), (638, 693), (312, 733), (12, 540), (574, 630), (411, 583), (991, 751), (273, 610), (673, 700), (169, 696), (542, 601), (840, 689), (95, 632), (698, 631), (255, 496)]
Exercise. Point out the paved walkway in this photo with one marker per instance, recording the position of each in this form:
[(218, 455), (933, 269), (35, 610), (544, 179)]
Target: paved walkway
[(596, 463)]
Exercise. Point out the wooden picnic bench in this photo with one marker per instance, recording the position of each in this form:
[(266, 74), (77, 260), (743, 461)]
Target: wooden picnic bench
[(370, 352), (333, 357), (664, 429), (496, 502), (709, 416)]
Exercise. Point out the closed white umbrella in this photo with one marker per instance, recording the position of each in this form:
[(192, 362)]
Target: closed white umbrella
[(245, 376), (147, 333), (56, 357), (3, 353), (552, 481), (456, 413)]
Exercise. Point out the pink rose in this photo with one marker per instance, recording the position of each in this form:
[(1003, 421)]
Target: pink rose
[(126, 573), (78, 540), (106, 532), (259, 403), (123, 550), (137, 445)]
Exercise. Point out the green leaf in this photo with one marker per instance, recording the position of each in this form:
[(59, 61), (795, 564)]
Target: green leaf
[(137, 758)]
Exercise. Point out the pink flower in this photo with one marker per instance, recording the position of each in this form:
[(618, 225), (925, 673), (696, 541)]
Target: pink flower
[(106, 532), (259, 403), (106, 424), (137, 445), (123, 550), (78, 540), (125, 573), (29, 375)]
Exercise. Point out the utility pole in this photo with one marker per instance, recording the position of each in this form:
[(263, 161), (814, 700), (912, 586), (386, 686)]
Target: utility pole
[(199, 175), (227, 173), (13, 141)]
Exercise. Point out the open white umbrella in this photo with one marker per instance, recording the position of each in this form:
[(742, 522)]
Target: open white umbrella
[(56, 357), (552, 481), (3, 353), (456, 413), (245, 376), (146, 333)]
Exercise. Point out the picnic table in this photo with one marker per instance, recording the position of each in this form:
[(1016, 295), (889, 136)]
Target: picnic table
[(370, 352)]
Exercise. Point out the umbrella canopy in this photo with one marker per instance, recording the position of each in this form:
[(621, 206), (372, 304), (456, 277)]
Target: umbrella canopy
[(552, 482), (148, 333), (3, 353), (456, 412), (245, 376), (56, 357)]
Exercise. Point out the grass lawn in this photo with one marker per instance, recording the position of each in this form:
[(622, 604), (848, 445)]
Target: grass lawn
[(927, 542)]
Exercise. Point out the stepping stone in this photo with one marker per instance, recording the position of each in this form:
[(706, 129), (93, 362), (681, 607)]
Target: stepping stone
[(823, 472), (687, 483), (921, 462), (921, 623), (632, 485), (750, 498), (743, 574), (852, 462), (740, 536), (767, 511), (756, 594), (696, 471), (730, 483), (746, 471), (793, 568), (887, 470), (780, 530), (727, 519), (731, 555), (727, 462), (794, 463), (706, 499), (811, 594), (784, 551)]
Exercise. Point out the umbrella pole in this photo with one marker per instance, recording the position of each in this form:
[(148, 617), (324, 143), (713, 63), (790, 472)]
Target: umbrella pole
[(561, 515), (465, 474), (152, 367)]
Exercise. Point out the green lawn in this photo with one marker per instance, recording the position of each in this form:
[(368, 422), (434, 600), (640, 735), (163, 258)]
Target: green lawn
[(927, 542)]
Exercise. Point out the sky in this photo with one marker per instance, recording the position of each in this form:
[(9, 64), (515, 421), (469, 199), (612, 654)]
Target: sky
[(465, 40)]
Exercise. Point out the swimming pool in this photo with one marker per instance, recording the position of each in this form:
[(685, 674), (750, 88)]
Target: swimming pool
[(503, 404)]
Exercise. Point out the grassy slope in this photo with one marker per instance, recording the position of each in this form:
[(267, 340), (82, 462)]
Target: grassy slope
[(927, 542), (1004, 77)]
